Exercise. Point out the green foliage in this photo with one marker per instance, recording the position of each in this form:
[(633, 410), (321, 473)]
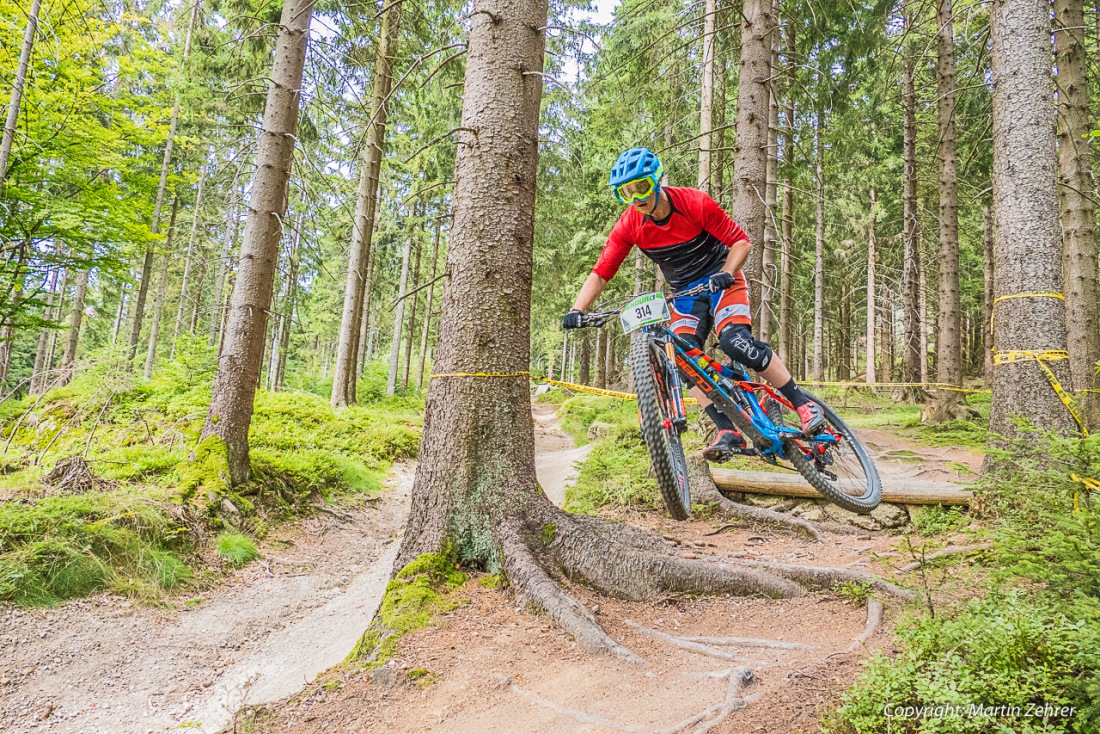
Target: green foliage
[(854, 592), (235, 548), (1034, 638), (576, 414), (937, 519), (420, 590), (492, 581), (548, 533), (63, 547), (616, 473), (1007, 649)]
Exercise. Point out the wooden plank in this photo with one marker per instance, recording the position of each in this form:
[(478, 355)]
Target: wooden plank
[(901, 491)]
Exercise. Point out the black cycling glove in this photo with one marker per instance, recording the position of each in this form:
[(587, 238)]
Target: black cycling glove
[(719, 282), (572, 320)]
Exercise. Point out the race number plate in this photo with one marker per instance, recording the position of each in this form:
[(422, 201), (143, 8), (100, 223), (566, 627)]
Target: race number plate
[(646, 309)]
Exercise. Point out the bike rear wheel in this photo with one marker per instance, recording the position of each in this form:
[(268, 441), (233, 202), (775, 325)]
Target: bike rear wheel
[(661, 435), (840, 469)]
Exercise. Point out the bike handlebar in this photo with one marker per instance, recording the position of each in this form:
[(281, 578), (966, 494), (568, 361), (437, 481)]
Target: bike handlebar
[(597, 319)]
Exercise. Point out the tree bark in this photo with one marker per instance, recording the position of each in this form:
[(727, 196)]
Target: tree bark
[(1075, 197), (18, 84), (987, 314), (399, 320), (751, 145), (195, 217), (76, 317), (229, 246), (871, 321), (287, 322), (477, 462), (706, 98), (1027, 251), (162, 290), (430, 299), (410, 337), (786, 240), (239, 364), (949, 337), (39, 376), (771, 170), (601, 364), (819, 251), (366, 204), (911, 269)]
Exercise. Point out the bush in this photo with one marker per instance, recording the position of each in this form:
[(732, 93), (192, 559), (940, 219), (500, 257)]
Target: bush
[(237, 549), (1004, 650)]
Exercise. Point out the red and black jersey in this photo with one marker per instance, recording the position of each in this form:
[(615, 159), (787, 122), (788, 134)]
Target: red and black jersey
[(690, 244)]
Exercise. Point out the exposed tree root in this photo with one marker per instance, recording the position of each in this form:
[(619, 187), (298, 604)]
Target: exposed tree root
[(683, 643), (704, 490), (874, 619), (620, 569), (951, 550), (534, 586), (748, 642), (821, 577), (711, 717)]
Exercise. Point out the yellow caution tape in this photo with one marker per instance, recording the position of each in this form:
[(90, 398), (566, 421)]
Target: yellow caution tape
[(1090, 484), (1009, 297), (586, 389), (1041, 357), (884, 385), (481, 374)]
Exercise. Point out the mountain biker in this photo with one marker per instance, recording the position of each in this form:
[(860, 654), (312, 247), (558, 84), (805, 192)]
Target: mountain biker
[(693, 241)]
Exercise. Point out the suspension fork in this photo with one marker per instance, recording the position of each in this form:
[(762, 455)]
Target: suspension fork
[(675, 388)]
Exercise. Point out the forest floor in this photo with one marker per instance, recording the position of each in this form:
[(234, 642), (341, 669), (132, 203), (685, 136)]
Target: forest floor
[(105, 664), (489, 666)]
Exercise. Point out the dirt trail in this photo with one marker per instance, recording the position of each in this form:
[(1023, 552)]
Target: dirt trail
[(492, 667), (557, 459), (105, 664)]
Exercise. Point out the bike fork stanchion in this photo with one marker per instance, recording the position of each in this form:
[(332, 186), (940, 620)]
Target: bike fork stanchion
[(676, 390)]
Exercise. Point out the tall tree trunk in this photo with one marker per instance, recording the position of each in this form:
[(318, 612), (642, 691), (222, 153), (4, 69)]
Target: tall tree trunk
[(476, 469), (120, 314), (239, 364), (195, 217), (601, 364), (229, 246), (912, 282), (987, 315), (945, 405), (750, 148), (428, 306), (365, 325), (366, 203), (17, 86), (162, 290), (786, 240), (922, 301), (291, 300), (1075, 198), (1026, 247), (399, 320), (771, 170), (62, 292), (585, 376), (871, 292), (819, 250), (39, 376), (410, 337), (706, 98), (76, 317)]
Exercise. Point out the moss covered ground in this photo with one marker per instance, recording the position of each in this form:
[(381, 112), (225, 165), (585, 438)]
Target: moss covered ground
[(152, 500)]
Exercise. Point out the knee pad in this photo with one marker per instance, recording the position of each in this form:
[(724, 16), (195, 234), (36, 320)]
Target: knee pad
[(738, 342)]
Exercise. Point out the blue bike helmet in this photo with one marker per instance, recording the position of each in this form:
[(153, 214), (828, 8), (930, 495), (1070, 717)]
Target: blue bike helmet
[(633, 165)]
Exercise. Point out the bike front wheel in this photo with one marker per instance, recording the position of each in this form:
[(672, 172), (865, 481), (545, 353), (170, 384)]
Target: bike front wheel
[(661, 434), (836, 464)]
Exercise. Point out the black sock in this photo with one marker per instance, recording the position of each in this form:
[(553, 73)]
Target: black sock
[(720, 419), (796, 397)]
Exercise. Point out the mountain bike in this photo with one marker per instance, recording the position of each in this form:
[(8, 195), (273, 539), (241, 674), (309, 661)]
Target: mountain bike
[(833, 460)]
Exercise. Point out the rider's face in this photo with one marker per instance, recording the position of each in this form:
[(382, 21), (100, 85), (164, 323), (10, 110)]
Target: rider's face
[(648, 204)]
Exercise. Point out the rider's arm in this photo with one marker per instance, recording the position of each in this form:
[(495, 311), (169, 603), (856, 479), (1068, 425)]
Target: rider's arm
[(738, 254), (614, 252), (590, 291)]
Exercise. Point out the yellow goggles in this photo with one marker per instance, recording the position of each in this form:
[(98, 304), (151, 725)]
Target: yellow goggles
[(637, 190)]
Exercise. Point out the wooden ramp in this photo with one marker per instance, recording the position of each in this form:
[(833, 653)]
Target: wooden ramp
[(901, 491)]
